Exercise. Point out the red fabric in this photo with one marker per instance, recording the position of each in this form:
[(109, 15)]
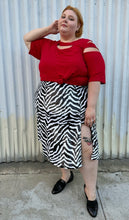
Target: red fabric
[(70, 65), (96, 66)]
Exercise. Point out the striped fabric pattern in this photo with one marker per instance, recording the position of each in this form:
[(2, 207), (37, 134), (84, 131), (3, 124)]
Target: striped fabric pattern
[(60, 110)]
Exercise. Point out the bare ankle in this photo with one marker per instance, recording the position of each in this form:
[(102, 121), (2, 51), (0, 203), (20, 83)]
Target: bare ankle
[(65, 175), (91, 194)]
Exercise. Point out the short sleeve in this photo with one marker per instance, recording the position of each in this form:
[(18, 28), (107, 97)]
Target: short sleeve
[(95, 64), (35, 48)]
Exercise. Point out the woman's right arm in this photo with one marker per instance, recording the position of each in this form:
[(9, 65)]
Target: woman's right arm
[(40, 33)]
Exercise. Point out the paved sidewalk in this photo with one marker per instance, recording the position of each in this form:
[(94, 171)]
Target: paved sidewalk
[(25, 192)]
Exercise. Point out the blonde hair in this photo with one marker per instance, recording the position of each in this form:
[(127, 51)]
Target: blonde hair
[(78, 33)]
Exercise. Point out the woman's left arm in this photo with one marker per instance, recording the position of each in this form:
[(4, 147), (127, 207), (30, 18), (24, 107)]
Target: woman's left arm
[(93, 93), (96, 73)]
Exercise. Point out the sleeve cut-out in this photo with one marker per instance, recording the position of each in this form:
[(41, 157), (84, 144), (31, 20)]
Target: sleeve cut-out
[(90, 49)]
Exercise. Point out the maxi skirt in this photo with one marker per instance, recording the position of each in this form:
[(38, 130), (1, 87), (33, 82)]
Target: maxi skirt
[(60, 110)]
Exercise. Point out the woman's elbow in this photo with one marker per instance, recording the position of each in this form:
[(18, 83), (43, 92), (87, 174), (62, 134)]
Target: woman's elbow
[(27, 43), (25, 38)]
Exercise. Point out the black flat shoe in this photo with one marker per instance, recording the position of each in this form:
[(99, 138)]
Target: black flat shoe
[(60, 184), (92, 206)]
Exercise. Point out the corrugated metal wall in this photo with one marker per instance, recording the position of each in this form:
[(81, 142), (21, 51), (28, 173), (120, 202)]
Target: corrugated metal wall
[(107, 24)]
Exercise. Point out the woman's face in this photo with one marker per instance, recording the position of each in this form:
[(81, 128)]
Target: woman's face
[(68, 23)]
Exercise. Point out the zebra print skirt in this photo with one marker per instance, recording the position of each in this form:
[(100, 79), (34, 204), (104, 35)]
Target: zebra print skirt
[(60, 110)]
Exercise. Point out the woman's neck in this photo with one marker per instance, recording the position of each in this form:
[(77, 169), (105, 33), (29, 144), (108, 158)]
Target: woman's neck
[(69, 39)]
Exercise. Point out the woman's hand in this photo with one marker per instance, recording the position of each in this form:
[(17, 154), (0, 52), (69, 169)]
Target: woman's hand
[(90, 116), (54, 27), (93, 92)]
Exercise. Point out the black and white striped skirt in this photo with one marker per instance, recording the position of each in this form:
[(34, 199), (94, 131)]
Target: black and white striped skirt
[(60, 110)]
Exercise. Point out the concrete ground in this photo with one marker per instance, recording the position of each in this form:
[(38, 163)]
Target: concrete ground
[(25, 192)]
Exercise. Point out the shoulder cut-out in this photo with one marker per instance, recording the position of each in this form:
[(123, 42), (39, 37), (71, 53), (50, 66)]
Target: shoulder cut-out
[(90, 49)]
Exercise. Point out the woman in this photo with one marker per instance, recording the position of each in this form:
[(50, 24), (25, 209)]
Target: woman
[(71, 71)]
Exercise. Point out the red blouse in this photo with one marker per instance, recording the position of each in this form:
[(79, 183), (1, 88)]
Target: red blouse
[(70, 65)]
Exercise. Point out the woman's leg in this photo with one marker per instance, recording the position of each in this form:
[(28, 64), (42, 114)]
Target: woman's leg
[(65, 174), (90, 167)]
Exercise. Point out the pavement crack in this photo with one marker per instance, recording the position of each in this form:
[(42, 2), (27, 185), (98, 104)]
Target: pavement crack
[(101, 204)]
